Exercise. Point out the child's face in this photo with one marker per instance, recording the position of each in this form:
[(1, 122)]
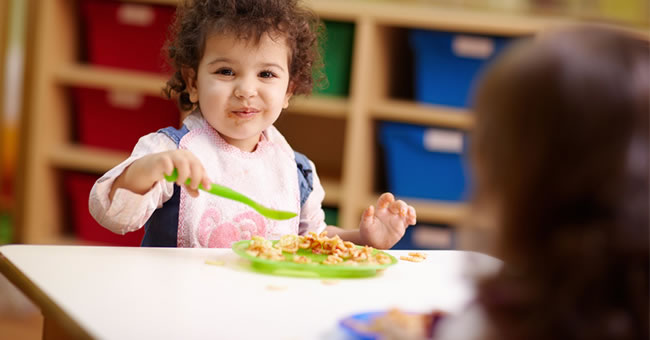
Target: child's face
[(241, 87)]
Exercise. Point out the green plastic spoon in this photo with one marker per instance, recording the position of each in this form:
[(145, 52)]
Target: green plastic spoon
[(222, 191)]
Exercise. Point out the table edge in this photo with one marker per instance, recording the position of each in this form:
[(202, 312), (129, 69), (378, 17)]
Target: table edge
[(49, 308)]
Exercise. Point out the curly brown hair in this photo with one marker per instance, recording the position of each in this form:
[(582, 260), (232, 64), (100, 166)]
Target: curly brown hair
[(561, 149), (247, 19)]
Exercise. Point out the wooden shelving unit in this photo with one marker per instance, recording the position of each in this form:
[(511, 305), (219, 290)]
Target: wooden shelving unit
[(6, 203), (377, 26)]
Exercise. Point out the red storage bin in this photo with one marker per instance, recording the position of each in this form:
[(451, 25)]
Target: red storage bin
[(126, 35), (77, 189), (117, 119)]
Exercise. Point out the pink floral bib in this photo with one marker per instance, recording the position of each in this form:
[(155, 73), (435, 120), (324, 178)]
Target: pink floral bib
[(267, 175)]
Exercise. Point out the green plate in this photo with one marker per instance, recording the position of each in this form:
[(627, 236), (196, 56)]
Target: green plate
[(315, 270)]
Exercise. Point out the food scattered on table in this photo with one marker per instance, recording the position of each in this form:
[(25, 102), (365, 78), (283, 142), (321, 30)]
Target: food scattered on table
[(330, 282), (338, 251), (276, 287), (414, 257), (301, 259), (214, 262)]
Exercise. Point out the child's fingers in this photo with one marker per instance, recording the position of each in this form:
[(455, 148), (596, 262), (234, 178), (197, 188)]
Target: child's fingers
[(204, 179), (196, 175), (183, 172), (167, 166), (192, 192), (206, 182), (368, 214), (411, 216), (398, 207), (385, 200)]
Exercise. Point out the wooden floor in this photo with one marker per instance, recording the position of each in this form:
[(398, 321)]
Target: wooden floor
[(26, 327), (19, 318)]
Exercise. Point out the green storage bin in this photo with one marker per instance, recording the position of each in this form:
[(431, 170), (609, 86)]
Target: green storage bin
[(5, 228), (331, 216), (337, 57)]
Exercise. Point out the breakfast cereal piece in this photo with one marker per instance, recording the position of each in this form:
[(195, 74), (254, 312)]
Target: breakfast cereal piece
[(418, 255), (330, 282), (350, 263), (301, 259), (333, 259), (215, 262), (411, 258), (288, 243), (383, 258)]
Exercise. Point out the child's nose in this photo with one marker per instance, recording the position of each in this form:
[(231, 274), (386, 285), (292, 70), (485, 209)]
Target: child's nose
[(245, 89)]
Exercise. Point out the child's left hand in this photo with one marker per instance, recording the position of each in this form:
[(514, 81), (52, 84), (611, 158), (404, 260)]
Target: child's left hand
[(384, 226)]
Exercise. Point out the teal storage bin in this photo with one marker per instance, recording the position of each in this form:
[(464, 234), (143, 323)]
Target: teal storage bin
[(337, 57)]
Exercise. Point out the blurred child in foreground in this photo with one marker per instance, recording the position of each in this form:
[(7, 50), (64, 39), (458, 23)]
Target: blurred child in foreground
[(561, 160)]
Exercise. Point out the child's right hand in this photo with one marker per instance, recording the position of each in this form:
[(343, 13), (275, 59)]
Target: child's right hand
[(144, 173)]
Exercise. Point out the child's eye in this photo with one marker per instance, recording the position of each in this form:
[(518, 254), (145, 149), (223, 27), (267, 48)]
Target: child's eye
[(267, 74), (225, 72)]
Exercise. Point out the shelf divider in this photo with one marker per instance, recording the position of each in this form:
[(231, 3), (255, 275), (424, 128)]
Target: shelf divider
[(84, 75), (420, 113), (85, 158)]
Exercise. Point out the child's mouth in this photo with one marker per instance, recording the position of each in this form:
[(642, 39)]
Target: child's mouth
[(245, 113)]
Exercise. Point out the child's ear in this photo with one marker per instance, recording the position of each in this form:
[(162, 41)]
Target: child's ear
[(289, 94), (189, 76)]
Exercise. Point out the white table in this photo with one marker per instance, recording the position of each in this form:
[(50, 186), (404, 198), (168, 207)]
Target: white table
[(172, 293)]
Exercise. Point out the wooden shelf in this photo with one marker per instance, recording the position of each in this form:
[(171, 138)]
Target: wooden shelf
[(110, 78), (429, 15), (430, 211), (83, 75), (447, 17), (85, 158), (438, 16), (410, 112), (333, 107)]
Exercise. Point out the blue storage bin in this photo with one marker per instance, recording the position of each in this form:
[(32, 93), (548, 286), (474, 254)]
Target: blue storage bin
[(425, 162), (446, 64)]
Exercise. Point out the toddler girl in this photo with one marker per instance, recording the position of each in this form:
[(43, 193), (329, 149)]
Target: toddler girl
[(237, 64)]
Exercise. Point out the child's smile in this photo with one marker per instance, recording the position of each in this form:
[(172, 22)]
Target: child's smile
[(245, 112), (241, 86)]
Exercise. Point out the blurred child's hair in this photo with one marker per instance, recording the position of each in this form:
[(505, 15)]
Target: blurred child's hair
[(561, 153), (250, 20)]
